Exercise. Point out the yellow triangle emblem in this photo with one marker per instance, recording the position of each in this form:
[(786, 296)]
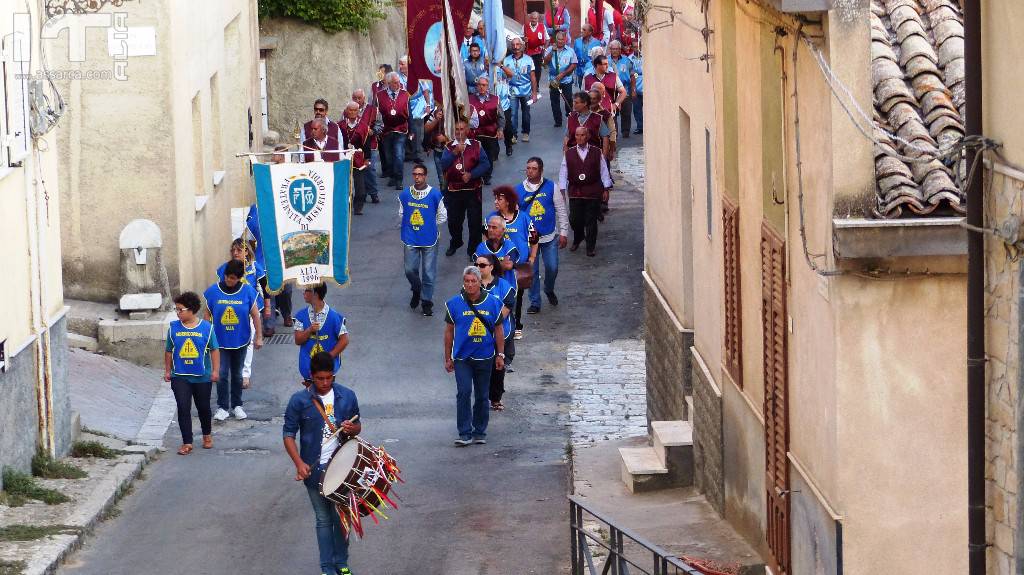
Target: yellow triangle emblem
[(229, 317), (188, 350), (416, 218), (316, 349), (477, 329), (537, 210)]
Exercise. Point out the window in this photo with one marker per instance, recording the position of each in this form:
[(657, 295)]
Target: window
[(707, 177), (733, 329)]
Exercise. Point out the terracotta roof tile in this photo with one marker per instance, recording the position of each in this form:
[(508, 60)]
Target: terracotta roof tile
[(917, 71)]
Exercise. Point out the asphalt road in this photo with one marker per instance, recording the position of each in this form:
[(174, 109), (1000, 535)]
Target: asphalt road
[(499, 508)]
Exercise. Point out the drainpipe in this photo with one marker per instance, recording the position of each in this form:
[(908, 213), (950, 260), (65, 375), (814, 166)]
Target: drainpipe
[(975, 299)]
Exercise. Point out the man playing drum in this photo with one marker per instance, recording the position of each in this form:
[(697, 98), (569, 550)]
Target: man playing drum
[(324, 415)]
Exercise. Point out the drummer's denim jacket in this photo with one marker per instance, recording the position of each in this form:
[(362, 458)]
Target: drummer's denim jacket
[(302, 417)]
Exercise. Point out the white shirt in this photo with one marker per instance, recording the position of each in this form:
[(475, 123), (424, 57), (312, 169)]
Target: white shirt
[(329, 442), (322, 317), (563, 172)]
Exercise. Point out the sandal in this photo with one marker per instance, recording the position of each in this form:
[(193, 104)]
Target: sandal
[(185, 449), (207, 442), (497, 406)]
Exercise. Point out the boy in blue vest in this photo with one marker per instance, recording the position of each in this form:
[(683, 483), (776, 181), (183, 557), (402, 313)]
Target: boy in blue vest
[(230, 305), (319, 328), (421, 209), (324, 416), (191, 364), (473, 333)]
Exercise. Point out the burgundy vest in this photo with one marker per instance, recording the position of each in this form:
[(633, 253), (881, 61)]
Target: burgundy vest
[(357, 138), (559, 17), (394, 113), (332, 128), (487, 113), (535, 39), (593, 124), (368, 116), (628, 39), (329, 144), (464, 163), (609, 82), (584, 175)]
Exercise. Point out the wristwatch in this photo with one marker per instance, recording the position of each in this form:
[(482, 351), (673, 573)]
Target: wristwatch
[(501, 355)]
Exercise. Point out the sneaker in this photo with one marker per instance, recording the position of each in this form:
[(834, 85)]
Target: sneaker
[(460, 442), (552, 298), (526, 137), (479, 441), (239, 413), (221, 414), (533, 309), (519, 334), (344, 571), (374, 199), (428, 308), (415, 299), (515, 140)]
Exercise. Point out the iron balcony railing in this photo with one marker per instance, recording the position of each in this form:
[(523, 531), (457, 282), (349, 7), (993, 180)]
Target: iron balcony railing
[(627, 552)]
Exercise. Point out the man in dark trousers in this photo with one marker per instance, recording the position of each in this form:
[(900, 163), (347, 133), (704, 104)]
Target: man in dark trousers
[(489, 121), (393, 108), (464, 163), (319, 140), (584, 174)]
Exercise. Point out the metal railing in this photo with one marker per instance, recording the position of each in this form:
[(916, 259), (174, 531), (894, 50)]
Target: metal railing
[(643, 556)]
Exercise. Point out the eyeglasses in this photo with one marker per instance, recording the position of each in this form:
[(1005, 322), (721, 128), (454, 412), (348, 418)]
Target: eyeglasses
[(319, 109), (180, 310), (483, 265)]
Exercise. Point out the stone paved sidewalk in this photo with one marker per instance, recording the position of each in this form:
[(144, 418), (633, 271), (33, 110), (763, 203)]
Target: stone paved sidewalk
[(609, 396), (629, 166)]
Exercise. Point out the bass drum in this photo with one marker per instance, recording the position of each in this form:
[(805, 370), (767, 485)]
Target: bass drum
[(360, 469)]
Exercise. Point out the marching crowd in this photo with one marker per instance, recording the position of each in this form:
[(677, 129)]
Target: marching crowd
[(595, 85)]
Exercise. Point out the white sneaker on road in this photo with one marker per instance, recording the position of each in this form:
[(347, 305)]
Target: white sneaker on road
[(221, 415), (239, 413)]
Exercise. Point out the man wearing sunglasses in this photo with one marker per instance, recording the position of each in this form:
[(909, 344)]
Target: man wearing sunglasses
[(320, 108)]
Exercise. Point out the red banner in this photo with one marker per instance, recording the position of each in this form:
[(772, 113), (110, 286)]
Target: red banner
[(426, 39)]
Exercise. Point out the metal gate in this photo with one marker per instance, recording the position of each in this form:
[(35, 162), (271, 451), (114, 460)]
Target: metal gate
[(776, 401)]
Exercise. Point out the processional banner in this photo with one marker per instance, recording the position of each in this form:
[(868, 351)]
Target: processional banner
[(305, 217)]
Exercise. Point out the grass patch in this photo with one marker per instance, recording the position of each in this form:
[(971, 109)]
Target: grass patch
[(21, 486), (93, 449), (11, 567), (49, 468), (33, 532)]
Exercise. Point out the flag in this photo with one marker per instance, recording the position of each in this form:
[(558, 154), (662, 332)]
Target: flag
[(453, 86), (426, 37), (494, 22), (304, 219)]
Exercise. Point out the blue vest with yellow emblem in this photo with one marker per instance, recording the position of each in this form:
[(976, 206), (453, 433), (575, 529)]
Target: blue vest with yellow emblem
[(254, 272), (419, 218), (473, 339), (231, 314), (323, 340), (190, 346), (539, 206)]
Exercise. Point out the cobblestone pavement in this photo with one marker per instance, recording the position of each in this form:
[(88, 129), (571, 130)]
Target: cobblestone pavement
[(609, 397), (629, 166)]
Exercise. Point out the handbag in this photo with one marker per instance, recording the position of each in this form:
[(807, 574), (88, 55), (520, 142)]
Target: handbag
[(524, 276)]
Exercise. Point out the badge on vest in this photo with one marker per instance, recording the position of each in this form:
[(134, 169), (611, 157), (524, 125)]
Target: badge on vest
[(458, 166), (394, 112), (583, 177), (480, 113)]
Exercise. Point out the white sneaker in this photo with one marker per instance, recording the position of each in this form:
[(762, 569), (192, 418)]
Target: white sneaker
[(526, 137), (239, 413), (518, 334), (221, 415)]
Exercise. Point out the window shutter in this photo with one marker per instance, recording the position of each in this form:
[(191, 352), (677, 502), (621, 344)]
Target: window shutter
[(733, 323)]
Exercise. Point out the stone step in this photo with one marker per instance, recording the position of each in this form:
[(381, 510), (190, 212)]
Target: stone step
[(642, 470), (670, 434), (83, 342)]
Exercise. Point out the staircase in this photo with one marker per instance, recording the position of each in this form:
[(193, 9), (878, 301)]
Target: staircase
[(667, 462)]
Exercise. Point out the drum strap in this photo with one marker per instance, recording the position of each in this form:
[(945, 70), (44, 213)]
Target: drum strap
[(323, 414)]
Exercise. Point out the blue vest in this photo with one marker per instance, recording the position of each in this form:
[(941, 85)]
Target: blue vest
[(253, 274), (323, 340), (419, 218), (540, 206), (473, 339), (231, 314), (520, 82), (507, 248), (500, 290), (252, 222), (190, 347), (518, 232)]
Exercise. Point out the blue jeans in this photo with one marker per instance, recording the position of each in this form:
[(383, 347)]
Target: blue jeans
[(330, 537), (442, 185), (549, 253), (638, 110), (415, 146), (395, 143), (231, 361), (425, 259), (517, 103), (370, 181), (472, 378)]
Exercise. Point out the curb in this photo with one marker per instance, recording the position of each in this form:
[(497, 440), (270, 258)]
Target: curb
[(106, 494)]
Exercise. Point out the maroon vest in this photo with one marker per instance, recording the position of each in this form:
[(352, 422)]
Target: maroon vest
[(329, 144), (609, 82), (593, 123), (332, 128), (356, 138), (463, 164), (368, 116), (584, 176), (487, 114), (394, 113)]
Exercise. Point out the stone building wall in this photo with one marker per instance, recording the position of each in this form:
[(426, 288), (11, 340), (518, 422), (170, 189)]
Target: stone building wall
[(668, 358), (709, 466), (1002, 325)]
